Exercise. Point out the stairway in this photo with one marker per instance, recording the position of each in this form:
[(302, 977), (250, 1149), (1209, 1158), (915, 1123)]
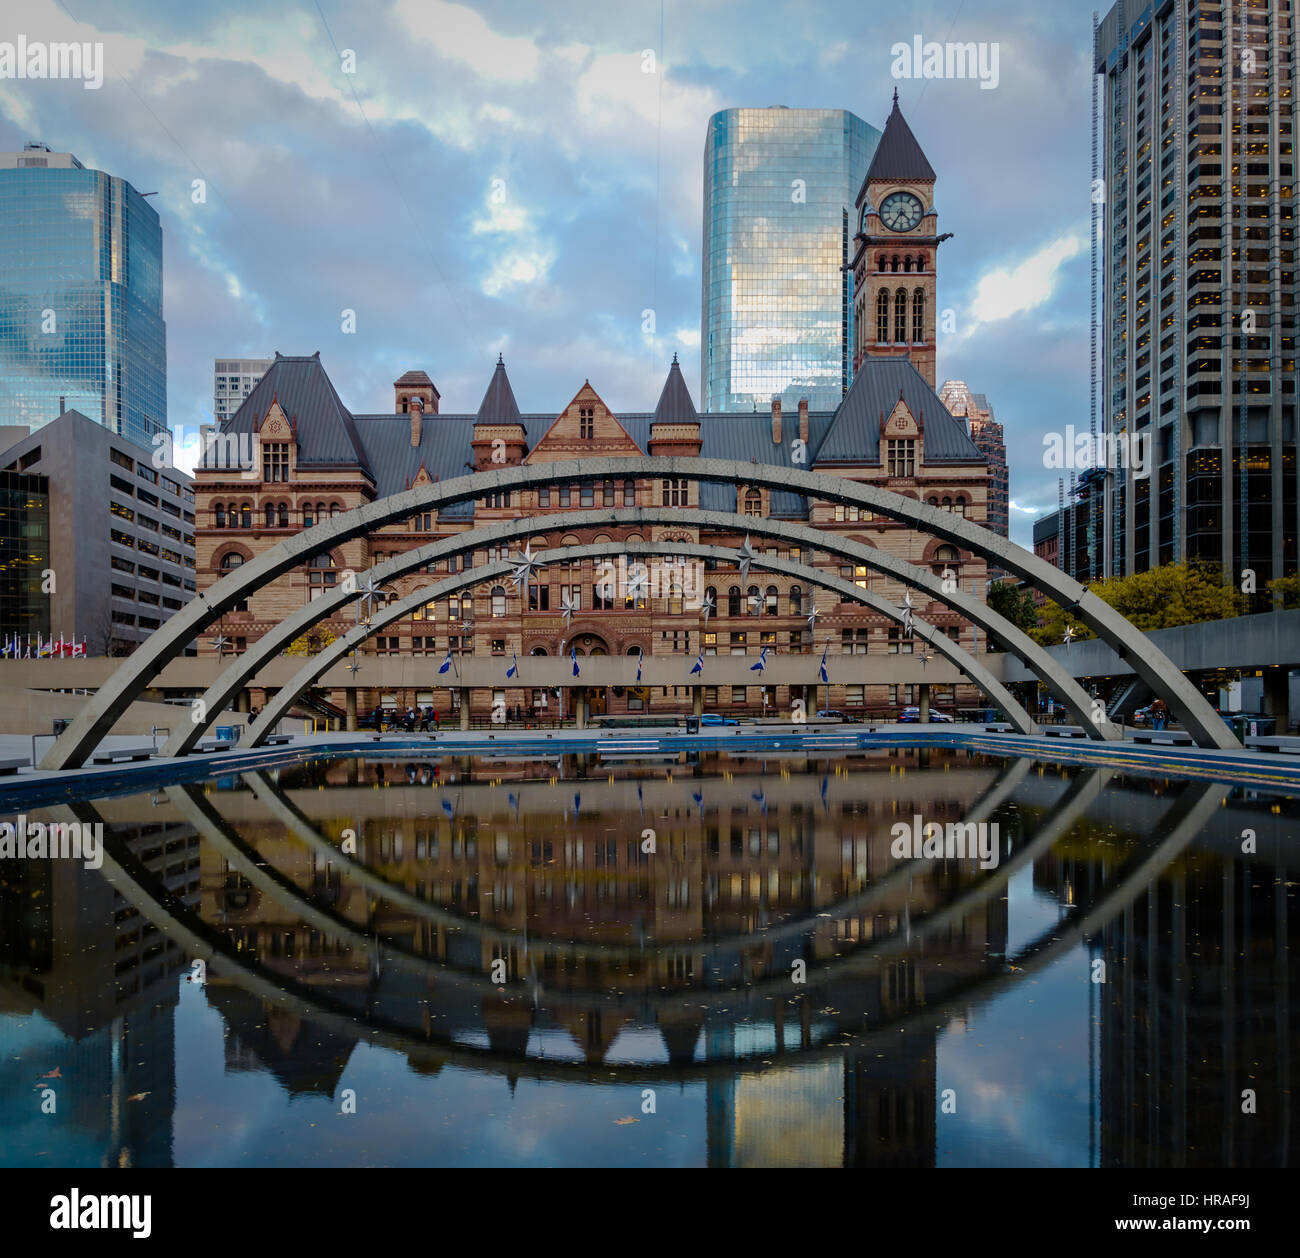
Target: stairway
[(1126, 698)]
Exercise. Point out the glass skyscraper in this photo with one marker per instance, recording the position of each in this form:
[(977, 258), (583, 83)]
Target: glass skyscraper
[(779, 188), (81, 311)]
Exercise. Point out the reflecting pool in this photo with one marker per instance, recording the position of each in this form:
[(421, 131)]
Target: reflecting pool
[(904, 957)]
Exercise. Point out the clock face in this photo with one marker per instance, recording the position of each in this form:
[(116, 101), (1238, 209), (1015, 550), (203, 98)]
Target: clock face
[(901, 211)]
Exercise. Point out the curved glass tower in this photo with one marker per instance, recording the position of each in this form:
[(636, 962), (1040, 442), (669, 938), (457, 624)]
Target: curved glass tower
[(81, 310), (779, 188)]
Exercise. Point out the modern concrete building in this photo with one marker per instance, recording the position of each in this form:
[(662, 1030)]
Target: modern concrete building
[(777, 318), (1197, 135), (121, 544), (232, 381), (81, 297)]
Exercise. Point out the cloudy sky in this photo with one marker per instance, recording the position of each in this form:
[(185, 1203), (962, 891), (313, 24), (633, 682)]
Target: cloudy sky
[(372, 191)]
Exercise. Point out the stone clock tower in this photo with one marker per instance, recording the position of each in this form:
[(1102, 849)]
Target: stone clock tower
[(896, 254)]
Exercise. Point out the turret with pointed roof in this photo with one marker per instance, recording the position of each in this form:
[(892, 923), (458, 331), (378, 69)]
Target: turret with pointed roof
[(500, 438), (898, 155), (675, 426)]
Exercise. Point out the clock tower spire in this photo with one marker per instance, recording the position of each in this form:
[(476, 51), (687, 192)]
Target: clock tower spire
[(895, 262)]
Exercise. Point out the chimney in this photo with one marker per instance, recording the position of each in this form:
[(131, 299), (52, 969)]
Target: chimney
[(417, 419), (803, 419), (776, 421)]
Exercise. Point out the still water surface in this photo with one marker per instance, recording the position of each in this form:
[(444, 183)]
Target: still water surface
[(478, 962)]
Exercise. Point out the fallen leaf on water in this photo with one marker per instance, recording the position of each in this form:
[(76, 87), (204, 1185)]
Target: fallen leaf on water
[(623, 1122), (139, 1096), (53, 1074)]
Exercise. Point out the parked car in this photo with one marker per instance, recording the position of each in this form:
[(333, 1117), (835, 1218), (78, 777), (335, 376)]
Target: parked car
[(713, 718), (832, 714), (913, 716), (1141, 717)]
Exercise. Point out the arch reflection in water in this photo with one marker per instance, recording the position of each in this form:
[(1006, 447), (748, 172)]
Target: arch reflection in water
[(622, 970)]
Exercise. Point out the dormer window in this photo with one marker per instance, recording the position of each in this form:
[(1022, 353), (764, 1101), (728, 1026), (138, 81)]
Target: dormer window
[(275, 461), (586, 422), (900, 457)]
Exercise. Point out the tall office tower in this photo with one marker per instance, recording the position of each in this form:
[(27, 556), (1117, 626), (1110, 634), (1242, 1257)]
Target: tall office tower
[(1198, 120), (232, 381), (777, 317), (81, 304)]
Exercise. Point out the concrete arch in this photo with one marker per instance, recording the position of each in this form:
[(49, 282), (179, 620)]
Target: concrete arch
[(284, 699), (229, 683), (1150, 664)]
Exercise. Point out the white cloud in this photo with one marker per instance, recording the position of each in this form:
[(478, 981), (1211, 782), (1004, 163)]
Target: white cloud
[(1007, 291), (520, 268), (457, 33)]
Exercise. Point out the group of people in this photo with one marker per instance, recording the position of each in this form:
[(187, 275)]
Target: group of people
[(423, 719)]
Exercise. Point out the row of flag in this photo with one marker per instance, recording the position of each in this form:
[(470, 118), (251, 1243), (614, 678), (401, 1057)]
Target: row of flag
[(759, 665), (16, 647)]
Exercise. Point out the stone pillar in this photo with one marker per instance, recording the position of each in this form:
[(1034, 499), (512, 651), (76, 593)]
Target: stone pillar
[(352, 708), (924, 702), (464, 709), (243, 702), (580, 707), (697, 700)]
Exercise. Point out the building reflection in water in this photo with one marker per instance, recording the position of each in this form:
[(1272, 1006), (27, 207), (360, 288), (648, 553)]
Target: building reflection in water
[(504, 916)]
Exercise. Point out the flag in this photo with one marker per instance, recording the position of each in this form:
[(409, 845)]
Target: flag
[(513, 669), (573, 655), (760, 665), (698, 666), (640, 655), (446, 664), (821, 672)]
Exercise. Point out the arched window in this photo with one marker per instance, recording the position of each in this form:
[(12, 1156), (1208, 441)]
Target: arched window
[(320, 512), (882, 316), (246, 516), (796, 601), (770, 608), (920, 262), (900, 316), (538, 650), (219, 515), (270, 515), (918, 315), (282, 513), (753, 502), (945, 557), (231, 561), (733, 601), (335, 509), (753, 603), (907, 263), (932, 501), (894, 263), (711, 597), (308, 515), (959, 506), (947, 503), (498, 601), (629, 493), (880, 263)]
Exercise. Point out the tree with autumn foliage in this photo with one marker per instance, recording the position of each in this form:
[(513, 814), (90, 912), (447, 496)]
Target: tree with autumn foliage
[(311, 643), (1160, 598)]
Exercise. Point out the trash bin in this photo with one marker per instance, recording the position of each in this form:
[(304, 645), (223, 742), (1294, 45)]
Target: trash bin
[(60, 725), (692, 724)]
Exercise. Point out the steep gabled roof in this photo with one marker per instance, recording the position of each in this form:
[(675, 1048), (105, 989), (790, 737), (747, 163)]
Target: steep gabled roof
[(876, 389), (898, 155), (675, 403), (499, 405), (326, 433)]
